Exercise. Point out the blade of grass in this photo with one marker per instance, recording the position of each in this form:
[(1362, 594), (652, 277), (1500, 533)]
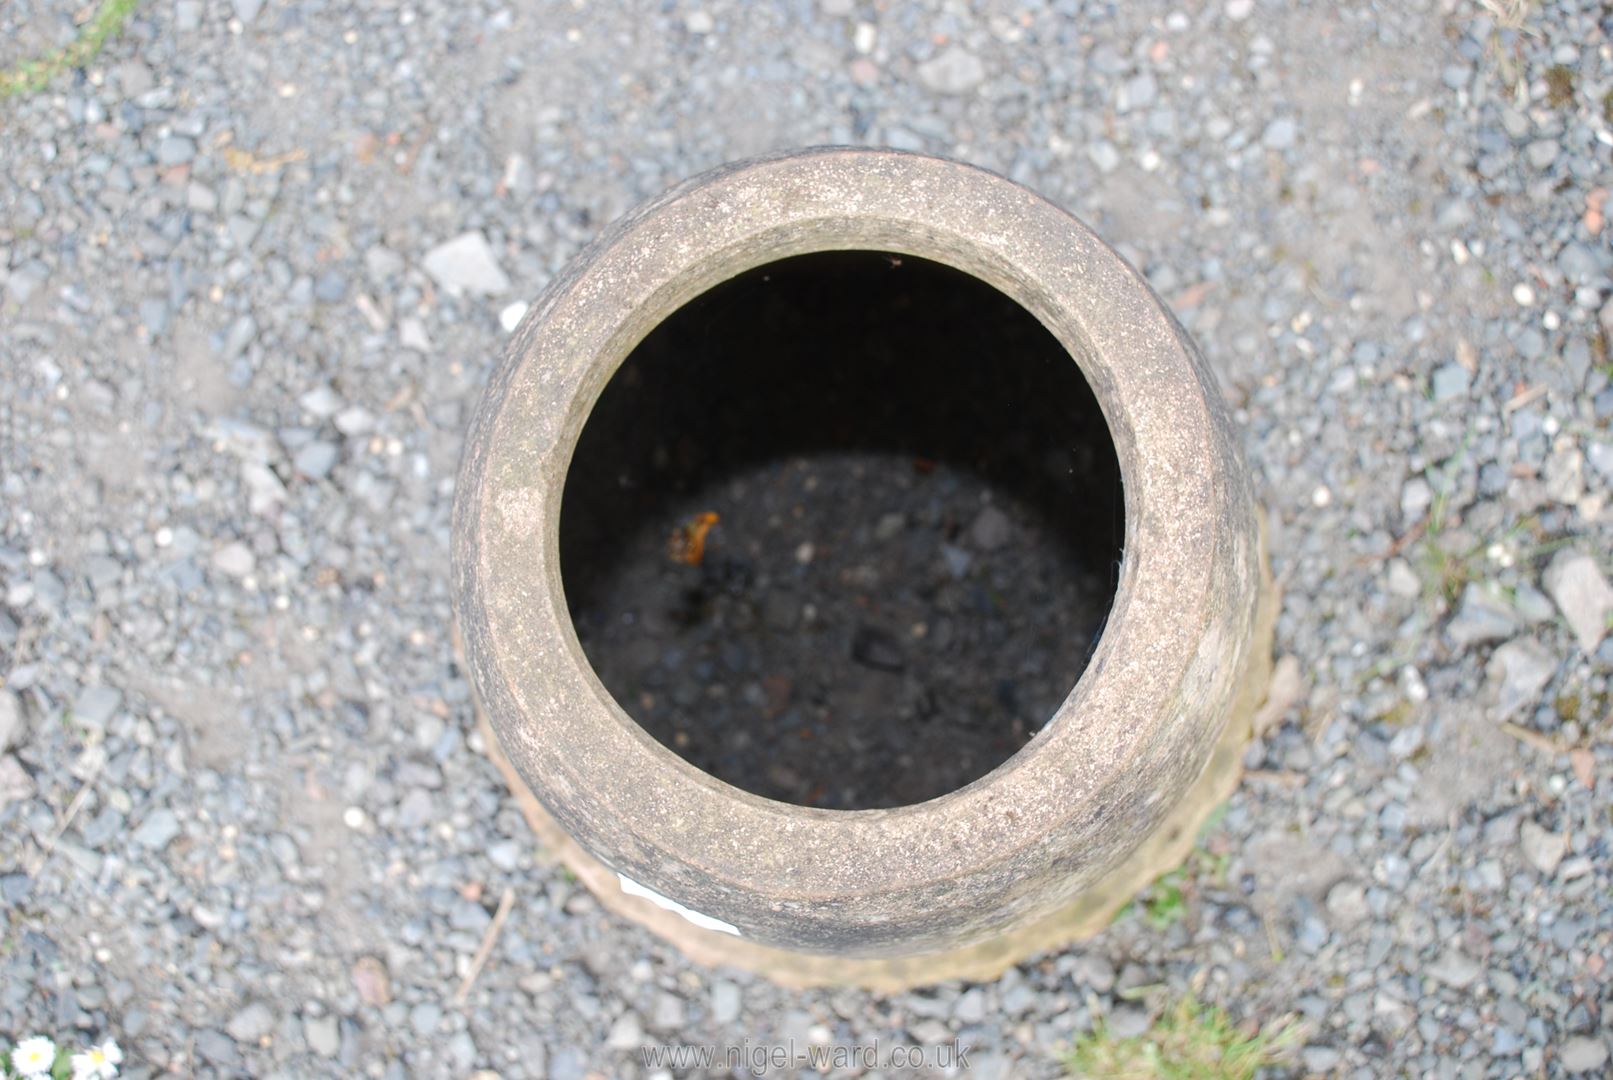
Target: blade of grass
[(1189, 1041), (32, 76)]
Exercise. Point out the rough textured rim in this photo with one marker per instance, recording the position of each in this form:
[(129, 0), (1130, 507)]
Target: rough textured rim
[(983, 961), (1071, 804)]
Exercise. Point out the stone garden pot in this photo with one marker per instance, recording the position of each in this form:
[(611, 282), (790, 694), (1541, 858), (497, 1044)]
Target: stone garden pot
[(1043, 849)]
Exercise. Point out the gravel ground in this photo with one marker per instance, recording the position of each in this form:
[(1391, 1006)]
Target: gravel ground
[(254, 265)]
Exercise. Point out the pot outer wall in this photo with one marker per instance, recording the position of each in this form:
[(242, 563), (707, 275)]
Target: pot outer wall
[(1177, 672)]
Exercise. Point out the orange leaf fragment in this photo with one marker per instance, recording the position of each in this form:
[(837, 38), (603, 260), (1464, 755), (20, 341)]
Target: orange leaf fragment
[(687, 544)]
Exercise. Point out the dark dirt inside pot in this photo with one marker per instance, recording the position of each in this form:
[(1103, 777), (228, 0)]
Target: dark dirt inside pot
[(844, 530)]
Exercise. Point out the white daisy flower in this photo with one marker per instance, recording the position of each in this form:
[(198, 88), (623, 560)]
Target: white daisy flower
[(98, 1062), (32, 1058)]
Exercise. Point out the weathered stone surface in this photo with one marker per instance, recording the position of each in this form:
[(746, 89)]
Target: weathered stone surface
[(1176, 659)]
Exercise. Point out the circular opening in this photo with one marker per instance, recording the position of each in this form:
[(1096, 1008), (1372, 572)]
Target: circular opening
[(844, 530)]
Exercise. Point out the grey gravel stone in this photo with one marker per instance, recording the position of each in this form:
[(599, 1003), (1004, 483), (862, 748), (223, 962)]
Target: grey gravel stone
[(957, 560), (215, 1047), (96, 705), (321, 402), (991, 529), (251, 1023), (876, 648), (510, 316), (322, 1035), (175, 150), (382, 263), (726, 1001), (1600, 457), (668, 1015), (235, 559), (316, 459), (506, 854), (11, 723), (467, 915), (1564, 475), (1455, 969), (1137, 92), (330, 288), (1583, 1054), (1403, 580), (1104, 155), (154, 315), (955, 71), (1579, 262), (1095, 972), (242, 333), (158, 830), (568, 1064), (1520, 669), (1482, 617), (1128, 1022), (1542, 152), (355, 421), (1543, 850), (1347, 903), (1582, 594), (1416, 495), (889, 526), (1532, 604), (15, 888), (1450, 382), (466, 264), (627, 1033), (1320, 1059), (15, 783), (1280, 134), (970, 1008), (424, 1018)]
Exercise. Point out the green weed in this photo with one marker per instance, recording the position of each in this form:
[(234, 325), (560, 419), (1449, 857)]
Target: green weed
[(32, 76), (1189, 1042)]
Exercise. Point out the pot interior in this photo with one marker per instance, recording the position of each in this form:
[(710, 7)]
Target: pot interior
[(844, 530)]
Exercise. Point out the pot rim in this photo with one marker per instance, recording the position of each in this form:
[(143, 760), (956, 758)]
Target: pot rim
[(640, 806)]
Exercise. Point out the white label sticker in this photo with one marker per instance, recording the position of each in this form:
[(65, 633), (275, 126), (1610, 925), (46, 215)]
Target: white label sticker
[(705, 922)]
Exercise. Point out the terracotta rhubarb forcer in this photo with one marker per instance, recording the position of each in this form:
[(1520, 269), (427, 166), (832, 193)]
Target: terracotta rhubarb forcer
[(1044, 848)]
